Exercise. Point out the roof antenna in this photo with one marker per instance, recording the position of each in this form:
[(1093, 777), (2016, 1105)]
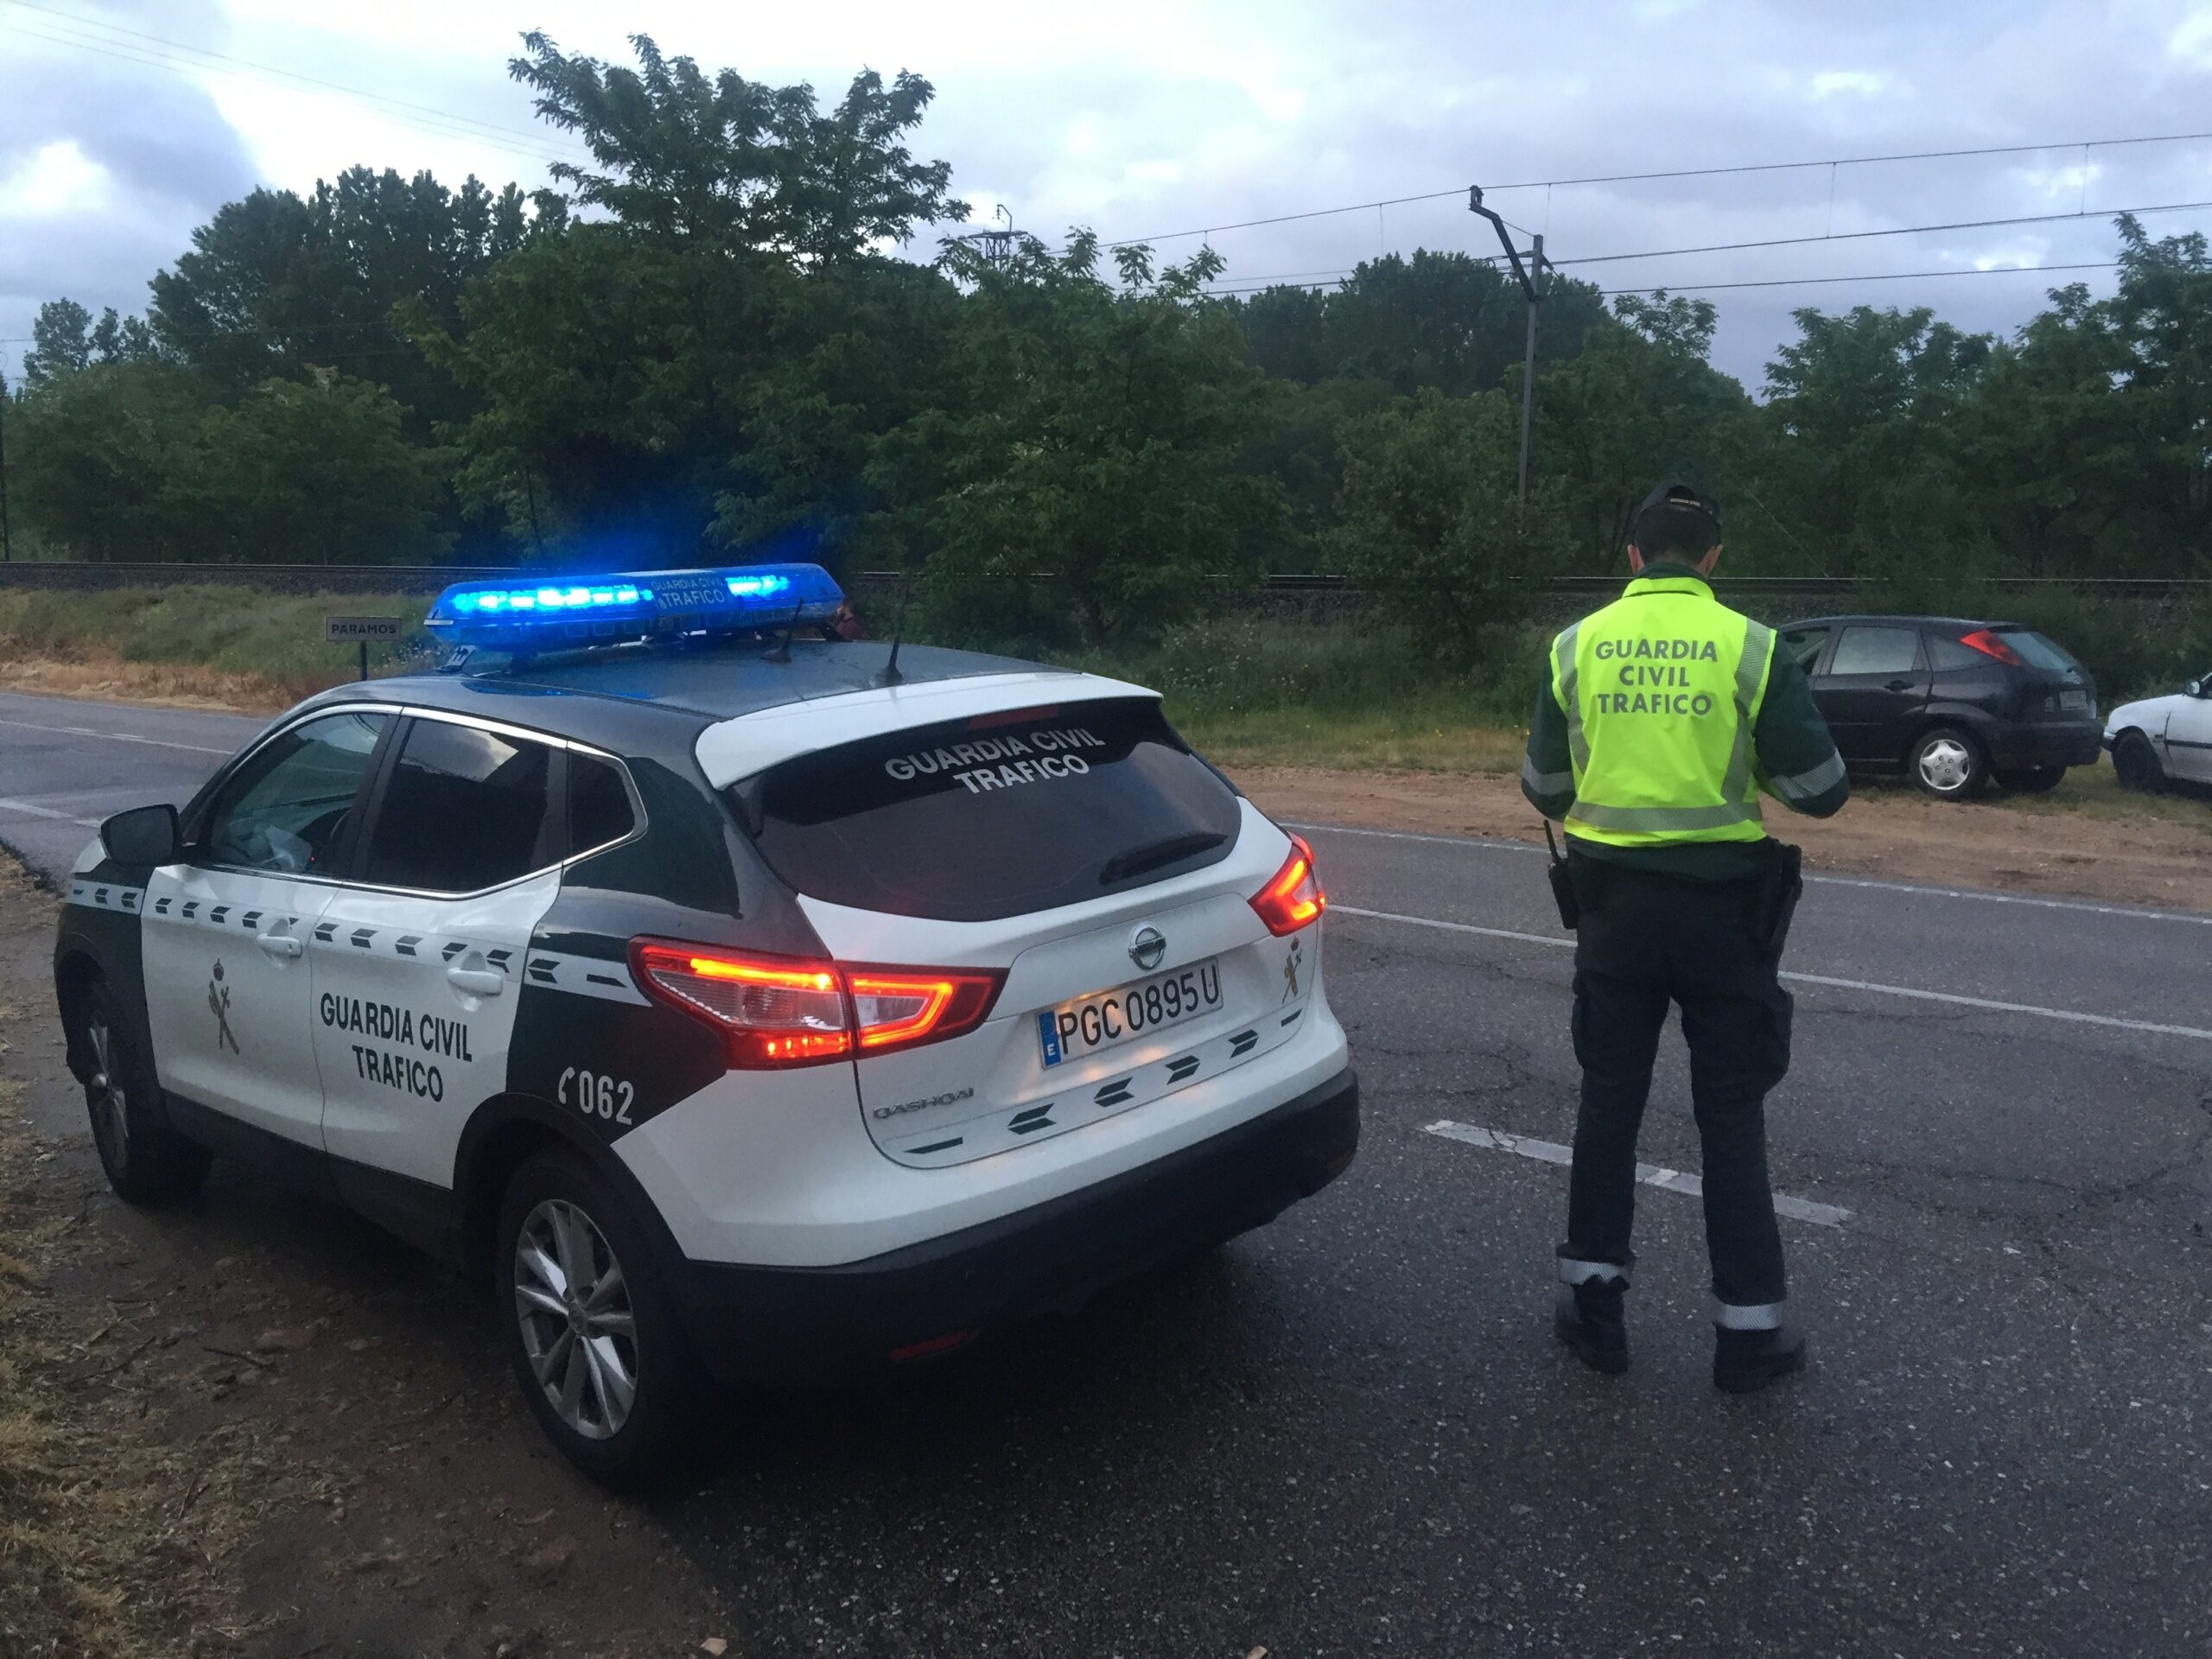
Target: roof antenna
[(891, 676), (781, 651)]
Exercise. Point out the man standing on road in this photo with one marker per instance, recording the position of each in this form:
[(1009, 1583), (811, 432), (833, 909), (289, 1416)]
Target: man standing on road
[(1663, 716)]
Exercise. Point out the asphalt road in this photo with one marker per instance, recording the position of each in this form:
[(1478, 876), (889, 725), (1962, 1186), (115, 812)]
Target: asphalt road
[(1350, 1434)]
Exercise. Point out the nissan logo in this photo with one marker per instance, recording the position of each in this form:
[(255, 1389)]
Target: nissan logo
[(1146, 946)]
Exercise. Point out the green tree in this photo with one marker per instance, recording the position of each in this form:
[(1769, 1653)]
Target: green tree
[(279, 284), (1867, 407), (1431, 524), (1085, 450), (99, 456), (316, 471), (1639, 402), (610, 375), (1439, 319), (725, 159), (65, 338)]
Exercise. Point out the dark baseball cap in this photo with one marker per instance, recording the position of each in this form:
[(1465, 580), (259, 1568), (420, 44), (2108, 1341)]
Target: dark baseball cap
[(1677, 496)]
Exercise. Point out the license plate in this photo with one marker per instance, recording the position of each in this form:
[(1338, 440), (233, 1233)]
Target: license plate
[(1090, 1023), (2073, 700)]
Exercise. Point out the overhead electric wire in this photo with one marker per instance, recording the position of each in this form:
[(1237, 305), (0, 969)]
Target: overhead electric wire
[(1867, 277), (60, 29), (1259, 286), (1678, 173), (1894, 229)]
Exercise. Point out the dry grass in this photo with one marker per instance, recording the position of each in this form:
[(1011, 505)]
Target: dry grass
[(112, 1542)]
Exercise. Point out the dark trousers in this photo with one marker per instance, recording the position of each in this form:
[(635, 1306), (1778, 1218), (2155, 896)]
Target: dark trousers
[(1645, 941)]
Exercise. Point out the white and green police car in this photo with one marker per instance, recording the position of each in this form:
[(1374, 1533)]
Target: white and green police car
[(749, 1006)]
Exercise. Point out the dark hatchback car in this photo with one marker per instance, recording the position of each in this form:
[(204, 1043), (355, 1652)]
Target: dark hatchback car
[(1951, 703)]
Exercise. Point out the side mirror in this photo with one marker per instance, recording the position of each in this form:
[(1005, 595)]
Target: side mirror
[(144, 835), (2194, 689)]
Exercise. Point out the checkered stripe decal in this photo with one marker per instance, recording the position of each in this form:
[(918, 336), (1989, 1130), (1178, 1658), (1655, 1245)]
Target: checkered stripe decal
[(583, 976), (106, 895)]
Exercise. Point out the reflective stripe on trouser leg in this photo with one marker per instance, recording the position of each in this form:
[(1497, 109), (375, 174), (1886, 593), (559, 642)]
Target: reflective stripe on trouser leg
[(1728, 1317), (1584, 1272)]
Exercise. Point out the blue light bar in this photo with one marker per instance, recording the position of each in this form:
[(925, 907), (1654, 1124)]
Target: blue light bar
[(553, 614)]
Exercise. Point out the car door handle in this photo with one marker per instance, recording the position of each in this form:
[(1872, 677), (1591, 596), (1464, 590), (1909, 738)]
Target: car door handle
[(1897, 685), (477, 982), (285, 945)]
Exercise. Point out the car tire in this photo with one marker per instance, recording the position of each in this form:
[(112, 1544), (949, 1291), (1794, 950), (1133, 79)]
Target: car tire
[(2135, 763), (591, 1327), (146, 1161), (1947, 763), (2031, 780)]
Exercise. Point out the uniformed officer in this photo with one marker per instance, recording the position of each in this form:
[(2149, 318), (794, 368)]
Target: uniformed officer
[(1664, 715)]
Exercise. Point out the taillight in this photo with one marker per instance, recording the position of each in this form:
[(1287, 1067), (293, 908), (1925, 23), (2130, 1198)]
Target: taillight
[(894, 1007), (1989, 644), (783, 1011), (1294, 898)]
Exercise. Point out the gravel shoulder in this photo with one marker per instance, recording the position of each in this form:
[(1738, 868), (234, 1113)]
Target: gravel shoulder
[(252, 1425), (2088, 843)]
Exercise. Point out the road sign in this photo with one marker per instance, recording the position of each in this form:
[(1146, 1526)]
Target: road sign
[(357, 630)]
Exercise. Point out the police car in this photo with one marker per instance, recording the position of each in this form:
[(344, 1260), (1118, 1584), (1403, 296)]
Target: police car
[(749, 1006)]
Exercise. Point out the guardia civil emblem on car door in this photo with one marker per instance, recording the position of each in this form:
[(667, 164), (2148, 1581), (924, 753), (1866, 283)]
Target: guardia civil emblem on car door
[(219, 1004)]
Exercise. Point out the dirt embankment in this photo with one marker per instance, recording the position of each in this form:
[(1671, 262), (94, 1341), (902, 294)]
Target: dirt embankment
[(250, 1425), (2145, 853)]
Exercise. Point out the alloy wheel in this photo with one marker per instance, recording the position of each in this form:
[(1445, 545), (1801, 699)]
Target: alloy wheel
[(103, 1092), (579, 1330)]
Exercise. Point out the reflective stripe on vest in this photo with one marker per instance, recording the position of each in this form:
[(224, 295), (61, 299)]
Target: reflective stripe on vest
[(1660, 691)]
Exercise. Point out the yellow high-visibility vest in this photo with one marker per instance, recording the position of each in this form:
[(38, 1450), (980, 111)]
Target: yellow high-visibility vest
[(1662, 689)]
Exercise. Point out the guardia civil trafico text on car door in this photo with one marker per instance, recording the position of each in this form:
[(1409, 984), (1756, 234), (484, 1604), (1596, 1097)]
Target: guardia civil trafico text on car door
[(747, 1005)]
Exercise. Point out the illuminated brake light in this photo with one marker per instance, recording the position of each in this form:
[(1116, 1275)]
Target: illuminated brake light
[(786, 1011), (1989, 644), (1294, 898), (894, 1007)]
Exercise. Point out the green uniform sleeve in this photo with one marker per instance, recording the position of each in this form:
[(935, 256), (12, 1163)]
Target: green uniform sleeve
[(1797, 760), (1548, 771)]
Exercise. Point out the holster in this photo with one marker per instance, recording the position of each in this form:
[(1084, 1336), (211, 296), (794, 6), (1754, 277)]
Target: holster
[(1562, 880), (1775, 903)]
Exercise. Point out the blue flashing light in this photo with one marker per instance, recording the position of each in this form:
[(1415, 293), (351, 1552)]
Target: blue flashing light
[(550, 615)]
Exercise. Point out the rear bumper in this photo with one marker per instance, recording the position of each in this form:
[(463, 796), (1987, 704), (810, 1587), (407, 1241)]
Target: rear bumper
[(788, 1325), (2060, 743)]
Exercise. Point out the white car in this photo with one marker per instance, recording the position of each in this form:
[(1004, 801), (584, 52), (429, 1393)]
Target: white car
[(744, 1007), (2163, 738)]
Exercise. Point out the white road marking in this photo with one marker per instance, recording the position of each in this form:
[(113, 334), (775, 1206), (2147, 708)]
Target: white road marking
[(116, 737), (1672, 1180), (30, 811), (2132, 913), (2069, 1015)]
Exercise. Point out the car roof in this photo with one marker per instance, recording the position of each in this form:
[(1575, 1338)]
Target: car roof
[(657, 697), (1897, 622)]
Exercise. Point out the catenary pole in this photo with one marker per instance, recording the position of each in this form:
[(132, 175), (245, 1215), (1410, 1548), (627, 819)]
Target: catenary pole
[(1525, 276), (7, 544), (1528, 375)]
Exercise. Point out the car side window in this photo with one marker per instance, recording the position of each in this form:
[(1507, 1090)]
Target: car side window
[(464, 809), (1945, 654), (1876, 650), (285, 809), (1804, 644)]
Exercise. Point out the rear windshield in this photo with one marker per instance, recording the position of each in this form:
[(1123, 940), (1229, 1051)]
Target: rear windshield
[(969, 821), (2037, 651)]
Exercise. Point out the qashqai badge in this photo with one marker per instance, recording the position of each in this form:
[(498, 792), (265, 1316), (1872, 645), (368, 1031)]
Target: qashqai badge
[(1148, 945)]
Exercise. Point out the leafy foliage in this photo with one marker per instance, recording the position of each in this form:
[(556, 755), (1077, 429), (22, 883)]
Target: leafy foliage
[(725, 159), (705, 343), (1430, 519)]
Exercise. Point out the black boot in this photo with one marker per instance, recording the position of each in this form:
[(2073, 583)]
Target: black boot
[(1589, 1321), (1744, 1362)]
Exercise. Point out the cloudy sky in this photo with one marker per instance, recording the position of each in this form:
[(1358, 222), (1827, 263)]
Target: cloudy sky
[(124, 124)]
